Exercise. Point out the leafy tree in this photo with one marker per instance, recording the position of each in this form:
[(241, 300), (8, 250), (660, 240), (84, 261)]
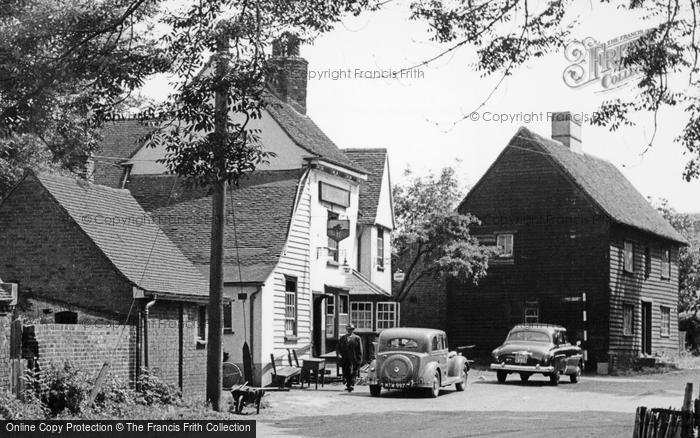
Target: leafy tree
[(432, 238), (688, 258), (63, 66), (510, 33)]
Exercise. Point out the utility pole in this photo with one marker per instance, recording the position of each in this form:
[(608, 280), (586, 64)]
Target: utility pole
[(216, 267)]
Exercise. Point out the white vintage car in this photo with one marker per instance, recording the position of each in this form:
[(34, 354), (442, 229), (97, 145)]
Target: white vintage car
[(416, 358)]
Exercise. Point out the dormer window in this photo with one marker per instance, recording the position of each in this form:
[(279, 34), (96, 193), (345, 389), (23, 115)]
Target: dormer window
[(504, 242), (380, 248)]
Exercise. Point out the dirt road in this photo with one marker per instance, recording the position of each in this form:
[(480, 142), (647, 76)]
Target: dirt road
[(596, 406)]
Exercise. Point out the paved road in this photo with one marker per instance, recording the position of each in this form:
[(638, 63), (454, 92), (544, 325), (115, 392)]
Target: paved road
[(596, 406)]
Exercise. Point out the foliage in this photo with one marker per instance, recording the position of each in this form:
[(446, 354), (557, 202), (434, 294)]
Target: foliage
[(151, 389), (64, 66), (63, 390), (688, 257), (11, 408), (432, 239), (509, 33)]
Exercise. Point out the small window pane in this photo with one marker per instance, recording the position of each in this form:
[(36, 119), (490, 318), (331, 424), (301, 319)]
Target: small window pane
[(290, 306), (665, 321), (629, 256), (504, 242), (666, 263), (386, 315), (361, 315)]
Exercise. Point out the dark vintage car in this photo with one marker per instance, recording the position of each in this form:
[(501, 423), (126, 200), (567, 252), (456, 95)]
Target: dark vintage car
[(537, 349), (416, 358)]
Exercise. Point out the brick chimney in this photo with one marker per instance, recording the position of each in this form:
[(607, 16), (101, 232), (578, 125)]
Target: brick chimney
[(567, 130), (289, 72)]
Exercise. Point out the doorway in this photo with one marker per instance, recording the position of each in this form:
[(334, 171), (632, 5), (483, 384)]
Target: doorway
[(318, 332), (646, 327)]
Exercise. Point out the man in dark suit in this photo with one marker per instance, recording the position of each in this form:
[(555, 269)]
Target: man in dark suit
[(350, 355)]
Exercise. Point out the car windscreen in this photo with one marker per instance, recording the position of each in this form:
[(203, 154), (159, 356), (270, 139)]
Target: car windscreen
[(528, 336), (401, 344)]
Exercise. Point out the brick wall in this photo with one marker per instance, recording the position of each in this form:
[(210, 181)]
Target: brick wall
[(168, 351), (88, 347), (47, 253), (5, 321)]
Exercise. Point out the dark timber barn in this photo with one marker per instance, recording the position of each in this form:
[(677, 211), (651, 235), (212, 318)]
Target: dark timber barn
[(580, 246)]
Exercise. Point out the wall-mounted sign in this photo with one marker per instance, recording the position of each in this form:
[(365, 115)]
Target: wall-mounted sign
[(399, 275), (338, 229), (334, 195), (571, 299)]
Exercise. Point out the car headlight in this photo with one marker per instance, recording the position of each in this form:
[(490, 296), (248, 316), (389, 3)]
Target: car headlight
[(494, 354), (371, 368), (546, 358)]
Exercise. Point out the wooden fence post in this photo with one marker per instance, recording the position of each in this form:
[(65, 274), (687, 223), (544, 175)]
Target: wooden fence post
[(687, 412)]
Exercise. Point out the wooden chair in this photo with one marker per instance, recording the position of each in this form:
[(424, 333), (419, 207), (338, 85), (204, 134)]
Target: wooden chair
[(283, 375)]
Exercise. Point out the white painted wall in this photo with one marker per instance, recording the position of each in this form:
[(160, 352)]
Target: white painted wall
[(321, 272), (274, 139)]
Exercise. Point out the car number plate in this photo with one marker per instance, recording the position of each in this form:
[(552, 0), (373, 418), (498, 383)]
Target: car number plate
[(520, 358)]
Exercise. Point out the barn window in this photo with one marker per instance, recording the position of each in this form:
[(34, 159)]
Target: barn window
[(665, 321), (380, 248), (386, 315), (647, 262), (66, 317), (532, 311), (290, 306), (629, 256), (504, 242), (361, 315), (666, 263), (627, 319)]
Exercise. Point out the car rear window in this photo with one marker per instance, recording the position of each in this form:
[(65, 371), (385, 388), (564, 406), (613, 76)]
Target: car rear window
[(402, 343), (528, 336)]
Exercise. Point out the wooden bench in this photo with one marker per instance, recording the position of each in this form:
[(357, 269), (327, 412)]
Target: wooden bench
[(281, 374)]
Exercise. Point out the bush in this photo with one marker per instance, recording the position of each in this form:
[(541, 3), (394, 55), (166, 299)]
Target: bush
[(57, 388), (150, 389), (11, 408)]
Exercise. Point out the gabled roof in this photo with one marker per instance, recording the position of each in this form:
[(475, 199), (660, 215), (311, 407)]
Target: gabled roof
[(120, 141), (121, 229), (604, 184), (306, 134), (373, 160), (263, 205)]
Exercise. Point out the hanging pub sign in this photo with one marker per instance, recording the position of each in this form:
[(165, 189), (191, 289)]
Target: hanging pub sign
[(338, 229)]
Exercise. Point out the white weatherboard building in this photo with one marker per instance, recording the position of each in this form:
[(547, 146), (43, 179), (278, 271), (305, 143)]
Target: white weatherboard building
[(307, 237)]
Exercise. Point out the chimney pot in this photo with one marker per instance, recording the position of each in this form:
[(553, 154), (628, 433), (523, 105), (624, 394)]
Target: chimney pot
[(566, 129)]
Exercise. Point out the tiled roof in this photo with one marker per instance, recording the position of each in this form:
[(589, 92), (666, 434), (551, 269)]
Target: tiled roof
[(263, 207), (358, 284), (120, 141), (604, 184), (304, 132), (373, 161), (122, 230)]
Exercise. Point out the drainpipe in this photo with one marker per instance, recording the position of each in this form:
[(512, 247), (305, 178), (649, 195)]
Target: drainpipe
[(252, 320), (145, 330)]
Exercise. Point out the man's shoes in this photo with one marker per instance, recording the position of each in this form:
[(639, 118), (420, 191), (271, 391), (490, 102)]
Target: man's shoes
[(351, 389)]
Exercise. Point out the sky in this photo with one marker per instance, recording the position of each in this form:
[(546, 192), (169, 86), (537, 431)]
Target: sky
[(417, 117)]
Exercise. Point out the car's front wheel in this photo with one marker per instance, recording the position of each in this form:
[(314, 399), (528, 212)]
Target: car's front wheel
[(462, 384), (501, 376), (554, 378), (435, 390), (375, 390)]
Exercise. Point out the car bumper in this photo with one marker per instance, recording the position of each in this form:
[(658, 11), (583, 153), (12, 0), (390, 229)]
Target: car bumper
[(521, 368)]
